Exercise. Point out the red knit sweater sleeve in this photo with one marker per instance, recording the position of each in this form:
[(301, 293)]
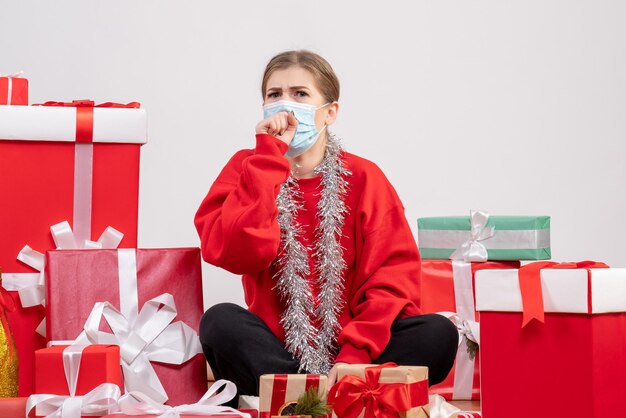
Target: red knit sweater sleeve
[(237, 220), (387, 283)]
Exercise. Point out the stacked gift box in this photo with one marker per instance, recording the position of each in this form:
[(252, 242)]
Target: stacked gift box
[(453, 250), (72, 273), (548, 332)]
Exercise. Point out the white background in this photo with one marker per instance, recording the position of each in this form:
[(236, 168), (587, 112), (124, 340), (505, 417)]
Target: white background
[(514, 107)]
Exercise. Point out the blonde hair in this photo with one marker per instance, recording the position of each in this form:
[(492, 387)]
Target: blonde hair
[(325, 77)]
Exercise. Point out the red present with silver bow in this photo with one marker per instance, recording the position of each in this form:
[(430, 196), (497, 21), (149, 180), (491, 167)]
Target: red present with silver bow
[(76, 381), (13, 89), (74, 166), (554, 334), (447, 288), (147, 301)]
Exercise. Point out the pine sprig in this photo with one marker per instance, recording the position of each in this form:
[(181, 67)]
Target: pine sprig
[(472, 348), (310, 403)]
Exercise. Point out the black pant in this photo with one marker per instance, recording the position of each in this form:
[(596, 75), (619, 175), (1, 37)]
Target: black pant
[(240, 347)]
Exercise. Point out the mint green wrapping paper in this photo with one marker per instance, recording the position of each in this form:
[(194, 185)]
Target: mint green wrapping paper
[(515, 237)]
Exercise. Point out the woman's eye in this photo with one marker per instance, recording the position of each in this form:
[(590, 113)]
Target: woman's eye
[(273, 95), (301, 93)]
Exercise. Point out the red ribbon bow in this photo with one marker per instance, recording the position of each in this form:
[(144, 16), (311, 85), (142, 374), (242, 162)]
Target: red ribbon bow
[(84, 115), (91, 103), (530, 285), (7, 304), (351, 394)]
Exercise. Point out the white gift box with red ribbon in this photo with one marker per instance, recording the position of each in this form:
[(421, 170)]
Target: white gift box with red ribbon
[(573, 348)]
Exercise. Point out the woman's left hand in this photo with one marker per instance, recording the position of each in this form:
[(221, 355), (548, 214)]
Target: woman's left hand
[(332, 375)]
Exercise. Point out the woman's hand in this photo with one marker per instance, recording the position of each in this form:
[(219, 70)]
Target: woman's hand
[(281, 125), (332, 375)]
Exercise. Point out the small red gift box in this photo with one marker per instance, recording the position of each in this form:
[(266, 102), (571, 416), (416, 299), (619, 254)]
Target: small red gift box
[(447, 286), (13, 90), (138, 286), (57, 163), (97, 364), (570, 365)]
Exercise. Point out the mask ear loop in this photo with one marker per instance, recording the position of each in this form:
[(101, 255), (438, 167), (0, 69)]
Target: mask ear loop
[(325, 125)]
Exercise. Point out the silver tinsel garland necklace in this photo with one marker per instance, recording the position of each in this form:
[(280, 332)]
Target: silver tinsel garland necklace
[(315, 348)]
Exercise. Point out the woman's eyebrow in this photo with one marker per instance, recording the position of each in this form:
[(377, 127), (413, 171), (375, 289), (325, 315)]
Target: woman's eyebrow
[(298, 88)]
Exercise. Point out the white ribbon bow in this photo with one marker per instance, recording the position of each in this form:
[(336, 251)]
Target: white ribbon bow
[(31, 286), (101, 400), (468, 329), (149, 337), (14, 75), (473, 249), (137, 403)]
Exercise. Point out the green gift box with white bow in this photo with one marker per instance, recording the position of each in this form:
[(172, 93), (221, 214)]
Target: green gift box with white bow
[(480, 237)]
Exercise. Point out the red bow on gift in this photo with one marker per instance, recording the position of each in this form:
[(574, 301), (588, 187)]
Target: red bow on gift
[(91, 103), (351, 394), (84, 115), (530, 285), (7, 304)]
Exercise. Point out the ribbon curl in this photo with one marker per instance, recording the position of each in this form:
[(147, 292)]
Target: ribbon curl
[(473, 249), (351, 394), (151, 336), (137, 403)]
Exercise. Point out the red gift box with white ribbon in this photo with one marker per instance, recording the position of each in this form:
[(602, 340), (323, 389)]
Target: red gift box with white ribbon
[(75, 381), (13, 89), (447, 288), (553, 340), (74, 166), (147, 301)]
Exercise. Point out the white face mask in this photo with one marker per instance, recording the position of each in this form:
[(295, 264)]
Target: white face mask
[(306, 133)]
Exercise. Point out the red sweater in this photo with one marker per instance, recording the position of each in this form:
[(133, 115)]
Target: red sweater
[(238, 227)]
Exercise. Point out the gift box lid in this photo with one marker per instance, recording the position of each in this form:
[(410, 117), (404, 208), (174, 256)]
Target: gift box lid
[(58, 123), (595, 290)]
